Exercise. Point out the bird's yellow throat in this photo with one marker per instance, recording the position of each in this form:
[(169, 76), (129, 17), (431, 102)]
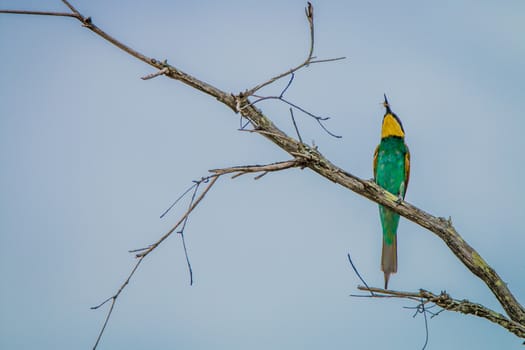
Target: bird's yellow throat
[(391, 127)]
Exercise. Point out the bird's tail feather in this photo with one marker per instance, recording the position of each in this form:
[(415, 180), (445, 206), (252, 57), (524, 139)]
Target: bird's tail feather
[(389, 259)]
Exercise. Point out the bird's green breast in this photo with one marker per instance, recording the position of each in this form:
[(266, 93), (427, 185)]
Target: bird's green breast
[(390, 174), (390, 168)]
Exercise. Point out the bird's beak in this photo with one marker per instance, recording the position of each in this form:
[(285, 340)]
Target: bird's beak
[(386, 105)]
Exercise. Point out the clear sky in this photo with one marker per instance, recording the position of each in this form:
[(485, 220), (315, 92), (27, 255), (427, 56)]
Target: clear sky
[(91, 156)]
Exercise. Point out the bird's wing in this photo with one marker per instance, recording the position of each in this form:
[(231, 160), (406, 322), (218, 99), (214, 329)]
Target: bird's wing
[(375, 161), (407, 170)]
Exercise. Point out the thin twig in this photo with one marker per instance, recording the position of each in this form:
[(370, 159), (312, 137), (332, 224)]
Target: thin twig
[(40, 13), (156, 74), (181, 232), (357, 273), (287, 85), (243, 127), (309, 10), (421, 308), (71, 7), (424, 311), (281, 98), (137, 250), (260, 175), (245, 169), (318, 119), (181, 220), (328, 60), (113, 300), (295, 126), (143, 254), (178, 199)]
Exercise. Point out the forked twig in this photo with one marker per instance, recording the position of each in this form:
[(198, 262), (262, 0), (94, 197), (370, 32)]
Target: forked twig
[(113, 301), (243, 103), (195, 184), (281, 98), (317, 118), (181, 232), (444, 301), (141, 253), (181, 220), (310, 59)]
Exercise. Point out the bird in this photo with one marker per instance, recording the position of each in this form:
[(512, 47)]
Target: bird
[(391, 172)]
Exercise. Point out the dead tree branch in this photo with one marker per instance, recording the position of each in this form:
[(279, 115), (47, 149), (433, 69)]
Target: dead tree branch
[(141, 253), (446, 302), (264, 169), (315, 161)]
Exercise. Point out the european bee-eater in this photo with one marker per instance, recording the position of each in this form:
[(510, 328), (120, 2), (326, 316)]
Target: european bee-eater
[(391, 171)]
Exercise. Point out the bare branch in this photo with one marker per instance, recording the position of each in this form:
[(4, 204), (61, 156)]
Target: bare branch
[(318, 119), (113, 301), (181, 220), (281, 98), (245, 169), (40, 13), (327, 60), (447, 303), (71, 7), (143, 252), (309, 10)]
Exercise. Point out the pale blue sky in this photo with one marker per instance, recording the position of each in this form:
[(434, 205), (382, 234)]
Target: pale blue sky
[(91, 156)]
